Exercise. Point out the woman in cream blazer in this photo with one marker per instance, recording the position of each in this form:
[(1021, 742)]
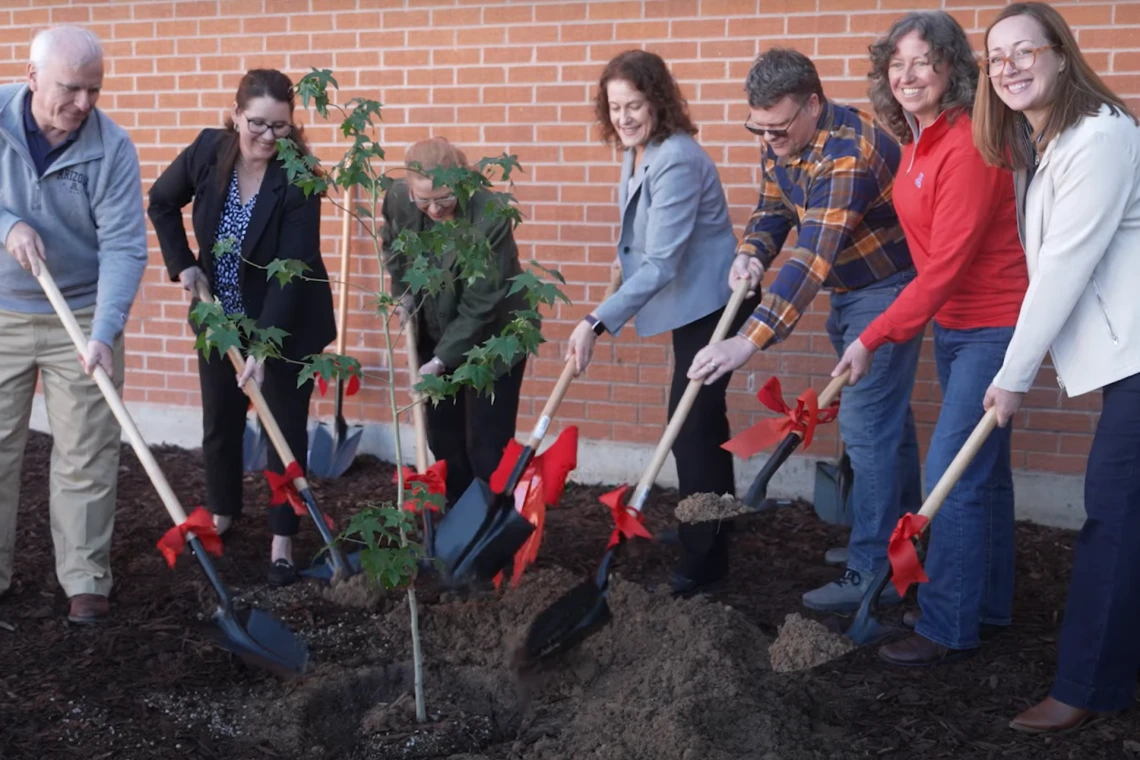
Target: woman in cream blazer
[(675, 249), (1075, 149)]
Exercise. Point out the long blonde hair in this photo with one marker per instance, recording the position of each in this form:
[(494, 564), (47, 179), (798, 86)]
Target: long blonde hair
[(1079, 92)]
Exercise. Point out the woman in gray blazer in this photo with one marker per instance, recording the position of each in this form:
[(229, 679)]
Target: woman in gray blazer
[(675, 250)]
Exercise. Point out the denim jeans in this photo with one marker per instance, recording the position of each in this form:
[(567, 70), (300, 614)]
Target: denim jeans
[(1099, 649), (876, 423), (970, 557)]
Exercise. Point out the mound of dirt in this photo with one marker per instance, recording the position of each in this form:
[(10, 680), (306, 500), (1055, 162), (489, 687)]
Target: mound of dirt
[(356, 591), (706, 507), (804, 643)]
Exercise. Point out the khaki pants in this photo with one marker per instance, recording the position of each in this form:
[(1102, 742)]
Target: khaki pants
[(85, 451)]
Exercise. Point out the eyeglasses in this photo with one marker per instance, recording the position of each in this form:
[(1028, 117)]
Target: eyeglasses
[(1021, 60), (259, 126), (445, 202), (774, 134)]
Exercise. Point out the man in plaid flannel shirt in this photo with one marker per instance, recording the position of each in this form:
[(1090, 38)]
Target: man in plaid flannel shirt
[(828, 170)]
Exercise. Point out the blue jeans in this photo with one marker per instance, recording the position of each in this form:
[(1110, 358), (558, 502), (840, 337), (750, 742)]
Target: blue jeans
[(970, 557), (1099, 649), (876, 424)]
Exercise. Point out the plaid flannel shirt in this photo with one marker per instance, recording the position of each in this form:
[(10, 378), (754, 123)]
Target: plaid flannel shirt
[(837, 193)]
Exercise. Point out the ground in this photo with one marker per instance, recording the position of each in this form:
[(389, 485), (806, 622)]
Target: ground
[(665, 679)]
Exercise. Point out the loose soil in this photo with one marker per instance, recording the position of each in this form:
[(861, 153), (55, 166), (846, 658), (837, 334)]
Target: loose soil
[(708, 507), (804, 643), (665, 679)]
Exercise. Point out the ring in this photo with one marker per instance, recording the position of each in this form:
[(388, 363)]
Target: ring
[(714, 365)]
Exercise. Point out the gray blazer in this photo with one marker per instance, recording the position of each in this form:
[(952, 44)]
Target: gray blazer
[(676, 243)]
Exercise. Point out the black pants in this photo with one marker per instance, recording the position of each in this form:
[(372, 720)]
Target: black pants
[(702, 465), (1099, 647), (470, 431), (224, 407)]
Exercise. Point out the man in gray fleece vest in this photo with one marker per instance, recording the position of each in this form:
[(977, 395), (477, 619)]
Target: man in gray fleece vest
[(70, 200)]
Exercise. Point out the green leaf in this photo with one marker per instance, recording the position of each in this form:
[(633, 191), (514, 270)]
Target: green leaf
[(285, 270)]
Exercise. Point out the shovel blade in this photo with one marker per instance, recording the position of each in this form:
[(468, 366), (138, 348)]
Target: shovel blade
[(328, 457), (255, 448), (571, 619), (261, 640), (323, 568), (480, 535), (866, 628)]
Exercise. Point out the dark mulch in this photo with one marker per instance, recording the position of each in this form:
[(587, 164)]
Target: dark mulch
[(77, 692)]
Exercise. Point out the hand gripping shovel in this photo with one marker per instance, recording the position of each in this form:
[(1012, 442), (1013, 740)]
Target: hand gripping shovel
[(480, 535), (339, 565), (866, 628), (583, 610), (252, 634), (332, 450)]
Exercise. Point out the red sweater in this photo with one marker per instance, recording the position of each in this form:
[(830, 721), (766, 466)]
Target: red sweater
[(960, 219)]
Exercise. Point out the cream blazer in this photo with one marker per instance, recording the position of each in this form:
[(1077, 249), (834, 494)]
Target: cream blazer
[(1080, 225)]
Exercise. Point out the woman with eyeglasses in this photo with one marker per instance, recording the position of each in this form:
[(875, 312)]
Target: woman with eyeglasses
[(675, 248), (961, 228), (245, 215), (1075, 150), (470, 430)]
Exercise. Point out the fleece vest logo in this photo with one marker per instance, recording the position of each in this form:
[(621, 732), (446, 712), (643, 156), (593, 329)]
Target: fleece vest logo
[(918, 180)]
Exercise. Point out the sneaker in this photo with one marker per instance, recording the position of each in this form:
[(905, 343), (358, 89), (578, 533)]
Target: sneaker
[(282, 573), (845, 593), (836, 556)]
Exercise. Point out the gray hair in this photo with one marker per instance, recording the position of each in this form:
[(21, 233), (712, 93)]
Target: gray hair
[(781, 72), (949, 47), (76, 45)]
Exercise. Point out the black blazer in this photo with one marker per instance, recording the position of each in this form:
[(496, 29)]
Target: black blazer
[(285, 224)]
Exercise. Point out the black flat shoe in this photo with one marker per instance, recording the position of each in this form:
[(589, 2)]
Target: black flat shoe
[(282, 573)]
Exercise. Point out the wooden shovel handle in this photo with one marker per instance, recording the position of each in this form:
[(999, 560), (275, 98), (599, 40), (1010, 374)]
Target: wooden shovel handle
[(419, 418), (686, 403), (268, 421), (564, 380), (107, 386), (959, 464), (345, 256)]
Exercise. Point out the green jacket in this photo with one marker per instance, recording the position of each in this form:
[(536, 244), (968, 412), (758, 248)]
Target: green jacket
[(459, 317)]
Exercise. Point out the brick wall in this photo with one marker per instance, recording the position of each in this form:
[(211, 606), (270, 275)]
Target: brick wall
[(519, 77)]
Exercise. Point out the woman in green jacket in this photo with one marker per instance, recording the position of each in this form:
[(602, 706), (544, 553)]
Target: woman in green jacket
[(470, 430)]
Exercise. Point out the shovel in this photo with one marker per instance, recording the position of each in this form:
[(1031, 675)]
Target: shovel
[(333, 449), (866, 628), (480, 535), (341, 566), (254, 447), (419, 423), (252, 634), (583, 610)]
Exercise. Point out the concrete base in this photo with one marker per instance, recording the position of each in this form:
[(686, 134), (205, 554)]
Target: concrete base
[(1042, 497)]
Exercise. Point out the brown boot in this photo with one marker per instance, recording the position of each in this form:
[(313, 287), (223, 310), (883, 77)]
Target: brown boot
[(1050, 717), (87, 609), (917, 651)]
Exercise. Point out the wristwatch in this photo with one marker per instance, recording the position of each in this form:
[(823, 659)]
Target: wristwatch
[(595, 323)]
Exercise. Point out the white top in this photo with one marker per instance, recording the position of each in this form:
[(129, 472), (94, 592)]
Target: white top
[(1081, 227)]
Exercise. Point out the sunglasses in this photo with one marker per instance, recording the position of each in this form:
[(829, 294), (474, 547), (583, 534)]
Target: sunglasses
[(774, 134)]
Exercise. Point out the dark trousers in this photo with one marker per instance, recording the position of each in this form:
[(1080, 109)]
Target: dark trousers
[(470, 430), (1099, 648), (224, 407), (702, 465)]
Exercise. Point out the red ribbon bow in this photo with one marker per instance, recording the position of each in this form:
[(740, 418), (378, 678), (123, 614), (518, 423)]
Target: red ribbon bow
[(554, 465), (627, 522), (283, 489), (174, 540), (350, 388), (434, 479), (905, 567), (802, 420), (530, 502)]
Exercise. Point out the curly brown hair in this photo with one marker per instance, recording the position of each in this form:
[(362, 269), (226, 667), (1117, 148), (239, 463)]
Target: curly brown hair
[(949, 46), (648, 73)]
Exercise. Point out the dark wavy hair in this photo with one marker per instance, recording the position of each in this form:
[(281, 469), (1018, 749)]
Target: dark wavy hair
[(949, 46), (257, 83), (648, 73)]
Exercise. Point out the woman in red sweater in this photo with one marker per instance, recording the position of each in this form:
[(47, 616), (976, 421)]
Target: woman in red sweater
[(960, 220)]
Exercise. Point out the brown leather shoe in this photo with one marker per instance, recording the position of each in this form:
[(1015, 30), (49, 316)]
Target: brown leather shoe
[(87, 609), (1050, 717), (920, 652)]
